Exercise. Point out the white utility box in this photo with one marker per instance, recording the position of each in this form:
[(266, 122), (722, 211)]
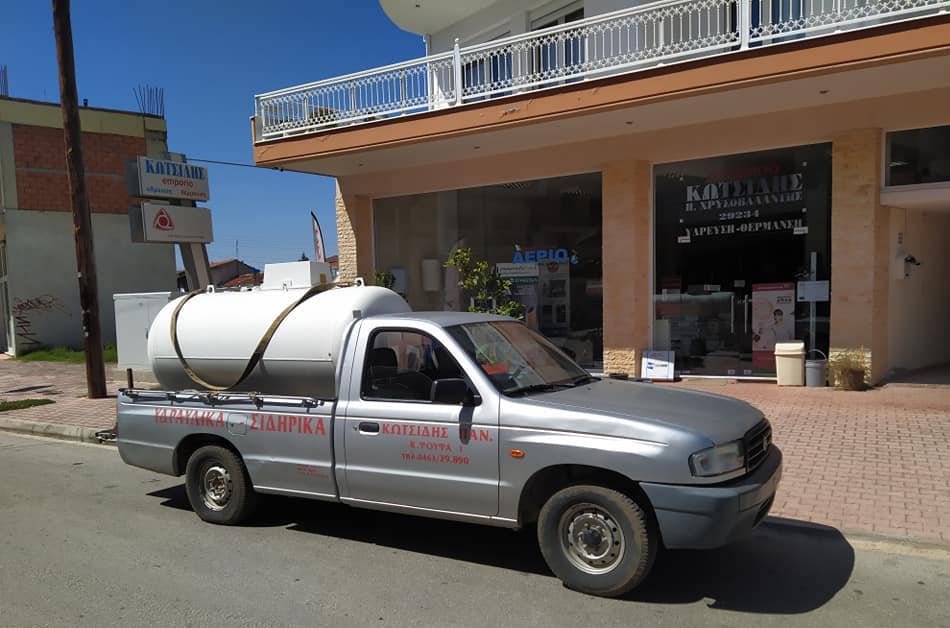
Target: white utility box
[(296, 275), (134, 314)]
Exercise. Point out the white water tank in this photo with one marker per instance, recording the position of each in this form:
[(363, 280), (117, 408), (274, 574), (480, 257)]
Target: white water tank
[(218, 332)]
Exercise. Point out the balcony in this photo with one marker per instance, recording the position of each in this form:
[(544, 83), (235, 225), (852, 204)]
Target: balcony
[(622, 42)]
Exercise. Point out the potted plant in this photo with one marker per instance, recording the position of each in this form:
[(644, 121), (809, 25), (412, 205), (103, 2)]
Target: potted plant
[(848, 369), (489, 292)]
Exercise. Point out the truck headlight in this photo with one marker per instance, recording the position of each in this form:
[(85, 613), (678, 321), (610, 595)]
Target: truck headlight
[(718, 460)]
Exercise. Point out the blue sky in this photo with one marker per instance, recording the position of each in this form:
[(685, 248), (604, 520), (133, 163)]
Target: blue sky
[(211, 57)]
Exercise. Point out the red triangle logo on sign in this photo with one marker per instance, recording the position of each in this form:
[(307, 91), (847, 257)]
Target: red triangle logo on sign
[(163, 222)]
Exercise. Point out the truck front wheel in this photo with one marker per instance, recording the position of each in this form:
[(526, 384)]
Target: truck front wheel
[(218, 486), (596, 540)]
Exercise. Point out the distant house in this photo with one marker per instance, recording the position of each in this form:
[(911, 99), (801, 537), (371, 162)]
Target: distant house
[(228, 273), (245, 280)]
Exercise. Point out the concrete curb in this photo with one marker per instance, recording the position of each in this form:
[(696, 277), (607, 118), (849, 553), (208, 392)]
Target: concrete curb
[(864, 538), (50, 430)]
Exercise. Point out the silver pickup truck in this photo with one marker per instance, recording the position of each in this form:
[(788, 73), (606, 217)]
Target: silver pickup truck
[(476, 418)]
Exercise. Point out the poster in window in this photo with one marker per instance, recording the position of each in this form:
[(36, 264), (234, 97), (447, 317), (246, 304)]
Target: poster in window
[(773, 320)]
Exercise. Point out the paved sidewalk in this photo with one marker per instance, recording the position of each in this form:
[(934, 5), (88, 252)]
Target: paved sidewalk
[(869, 462), (876, 461), (66, 385)]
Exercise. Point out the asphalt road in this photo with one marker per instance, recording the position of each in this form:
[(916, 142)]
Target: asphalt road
[(88, 541)]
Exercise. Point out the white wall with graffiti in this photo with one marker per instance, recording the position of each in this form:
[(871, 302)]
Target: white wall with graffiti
[(43, 295)]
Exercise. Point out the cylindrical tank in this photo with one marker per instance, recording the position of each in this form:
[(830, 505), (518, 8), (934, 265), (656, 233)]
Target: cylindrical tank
[(218, 332)]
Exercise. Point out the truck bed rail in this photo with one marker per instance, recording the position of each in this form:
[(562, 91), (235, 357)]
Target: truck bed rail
[(214, 398)]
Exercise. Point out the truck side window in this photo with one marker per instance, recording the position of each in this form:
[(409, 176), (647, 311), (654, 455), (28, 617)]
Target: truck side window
[(401, 365)]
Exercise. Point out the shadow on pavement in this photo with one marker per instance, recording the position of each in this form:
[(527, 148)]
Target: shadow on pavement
[(174, 496), (26, 389), (786, 567)]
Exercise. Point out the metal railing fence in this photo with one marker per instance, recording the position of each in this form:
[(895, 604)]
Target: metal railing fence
[(644, 36)]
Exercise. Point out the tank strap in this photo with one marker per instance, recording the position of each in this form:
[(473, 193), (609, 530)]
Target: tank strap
[(258, 351)]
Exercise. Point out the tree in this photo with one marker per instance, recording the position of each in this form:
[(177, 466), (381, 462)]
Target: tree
[(304, 258), (488, 291), (384, 279)]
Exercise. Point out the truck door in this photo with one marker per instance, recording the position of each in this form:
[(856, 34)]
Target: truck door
[(403, 449)]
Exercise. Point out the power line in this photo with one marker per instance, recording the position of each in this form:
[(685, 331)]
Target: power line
[(234, 163)]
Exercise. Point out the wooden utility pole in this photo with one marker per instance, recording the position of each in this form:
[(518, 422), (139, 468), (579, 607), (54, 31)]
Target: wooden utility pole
[(82, 222)]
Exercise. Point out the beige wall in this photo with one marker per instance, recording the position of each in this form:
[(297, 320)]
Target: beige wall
[(919, 305), (859, 252), (409, 230), (811, 125), (627, 242), (354, 230), (34, 113)]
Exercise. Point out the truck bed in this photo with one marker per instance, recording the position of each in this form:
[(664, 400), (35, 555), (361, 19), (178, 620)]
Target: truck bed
[(285, 442)]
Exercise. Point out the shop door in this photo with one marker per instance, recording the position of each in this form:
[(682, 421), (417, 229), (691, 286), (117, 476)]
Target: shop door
[(717, 332)]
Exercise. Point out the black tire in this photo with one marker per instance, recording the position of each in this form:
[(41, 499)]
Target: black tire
[(620, 544), (218, 486)]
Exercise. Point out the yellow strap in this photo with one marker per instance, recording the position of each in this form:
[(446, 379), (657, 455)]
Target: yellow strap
[(258, 351)]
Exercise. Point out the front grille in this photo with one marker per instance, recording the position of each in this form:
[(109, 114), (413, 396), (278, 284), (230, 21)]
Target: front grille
[(757, 442)]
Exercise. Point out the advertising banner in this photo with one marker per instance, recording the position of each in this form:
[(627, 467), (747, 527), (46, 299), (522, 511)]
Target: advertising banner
[(773, 320), (524, 287), (525, 290)]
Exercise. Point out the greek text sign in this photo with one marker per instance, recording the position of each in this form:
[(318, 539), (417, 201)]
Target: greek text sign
[(171, 179), (172, 223), (657, 365), (523, 269)]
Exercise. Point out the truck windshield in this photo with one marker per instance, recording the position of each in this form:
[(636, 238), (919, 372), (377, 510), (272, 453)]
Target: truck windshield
[(516, 359)]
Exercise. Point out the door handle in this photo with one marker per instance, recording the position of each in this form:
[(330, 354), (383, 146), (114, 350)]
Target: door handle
[(367, 427)]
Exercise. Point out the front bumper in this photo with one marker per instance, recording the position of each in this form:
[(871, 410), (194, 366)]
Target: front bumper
[(703, 517)]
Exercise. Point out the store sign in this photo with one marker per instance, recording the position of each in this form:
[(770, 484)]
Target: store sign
[(726, 198), (154, 222), (158, 178), (756, 199), (523, 256)]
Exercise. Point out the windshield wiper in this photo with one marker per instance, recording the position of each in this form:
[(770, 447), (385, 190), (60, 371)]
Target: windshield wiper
[(584, 379), (523, 390)]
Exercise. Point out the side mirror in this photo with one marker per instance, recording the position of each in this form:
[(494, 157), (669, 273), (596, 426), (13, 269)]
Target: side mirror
[(449, 391)]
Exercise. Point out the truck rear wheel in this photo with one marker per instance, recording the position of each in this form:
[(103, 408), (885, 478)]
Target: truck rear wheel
[(596, 540), (218, 486)]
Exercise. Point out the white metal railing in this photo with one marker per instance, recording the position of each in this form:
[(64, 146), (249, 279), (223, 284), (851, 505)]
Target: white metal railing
[(623, 41)]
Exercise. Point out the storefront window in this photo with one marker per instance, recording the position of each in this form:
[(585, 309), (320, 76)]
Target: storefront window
[(544, 235), (918, 156), (735, 237)]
